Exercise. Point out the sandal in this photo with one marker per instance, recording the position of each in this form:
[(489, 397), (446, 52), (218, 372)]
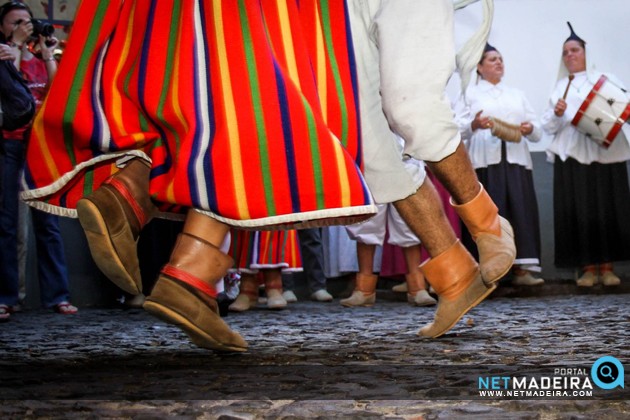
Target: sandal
[(65, 308), (5, 312)]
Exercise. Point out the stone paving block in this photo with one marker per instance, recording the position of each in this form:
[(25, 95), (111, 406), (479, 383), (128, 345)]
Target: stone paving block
[(312, 360)]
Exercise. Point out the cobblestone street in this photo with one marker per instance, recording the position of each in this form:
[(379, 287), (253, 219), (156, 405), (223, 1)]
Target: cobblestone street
[(313, 360)]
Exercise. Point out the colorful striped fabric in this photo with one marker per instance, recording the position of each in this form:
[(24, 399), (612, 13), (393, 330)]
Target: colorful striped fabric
[(256, 250), (246, 109)]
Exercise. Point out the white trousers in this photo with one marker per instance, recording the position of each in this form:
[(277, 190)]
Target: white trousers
[(372, 231), (405, 54)]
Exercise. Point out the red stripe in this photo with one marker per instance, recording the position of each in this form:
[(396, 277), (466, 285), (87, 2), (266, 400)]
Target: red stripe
[(122, 190), (189, 279), (587, 101), (615, 130)]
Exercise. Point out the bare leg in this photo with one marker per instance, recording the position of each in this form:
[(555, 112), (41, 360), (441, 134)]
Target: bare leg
[(416, 285), (412, 259), (365, 258), (364, 293), (457, 175), (492, 234), (452, 271), (424, 213)]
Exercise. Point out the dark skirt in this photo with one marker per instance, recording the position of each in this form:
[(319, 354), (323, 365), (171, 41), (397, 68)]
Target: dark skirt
[(511, 187), (591, 213)]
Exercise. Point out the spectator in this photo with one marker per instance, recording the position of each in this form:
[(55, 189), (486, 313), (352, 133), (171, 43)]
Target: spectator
[(591, 194), (368, 235), (497, 121), (312, 251), (263, 255), (17, 31)]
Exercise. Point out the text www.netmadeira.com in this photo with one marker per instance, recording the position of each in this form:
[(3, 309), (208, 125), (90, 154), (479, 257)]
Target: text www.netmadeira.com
[(534, 393)]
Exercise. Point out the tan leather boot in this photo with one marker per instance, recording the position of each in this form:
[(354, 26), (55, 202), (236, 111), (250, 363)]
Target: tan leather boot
[(112, 218), (364, 293), (492, 233), (455, 276), (273, 290), (247, 297), (416, 292), (184, 294)]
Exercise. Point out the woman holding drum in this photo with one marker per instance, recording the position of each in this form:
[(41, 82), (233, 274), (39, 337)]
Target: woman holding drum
[(589, 151), (495, 120)]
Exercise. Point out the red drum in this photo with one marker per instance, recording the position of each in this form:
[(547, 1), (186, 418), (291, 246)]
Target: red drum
[(603, 112)]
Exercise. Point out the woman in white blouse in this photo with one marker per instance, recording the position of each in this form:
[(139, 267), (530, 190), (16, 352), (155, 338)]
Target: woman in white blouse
[(504, 166), (591, 194)]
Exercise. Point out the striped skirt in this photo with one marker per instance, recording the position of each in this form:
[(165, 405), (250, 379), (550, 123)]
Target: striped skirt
[(246, 110), (256, 250)]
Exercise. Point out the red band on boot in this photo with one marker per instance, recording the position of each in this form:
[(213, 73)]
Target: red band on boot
[(189, 279), (122, 190)]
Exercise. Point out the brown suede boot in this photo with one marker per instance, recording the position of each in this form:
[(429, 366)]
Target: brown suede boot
[(455, 276), (492, 234), (112, 218), (364, 293), (184, 294)]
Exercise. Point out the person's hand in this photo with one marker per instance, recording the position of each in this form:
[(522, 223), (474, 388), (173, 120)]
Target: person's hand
[(47, 46), (22, 33), (526, 128), (481, 122), (7, 53), (560, 107)]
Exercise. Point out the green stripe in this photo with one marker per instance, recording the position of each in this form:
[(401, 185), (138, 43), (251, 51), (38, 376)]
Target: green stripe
[(78, 81), (88, 182), (168, 71), (263, 147), (144, 125), (335, 71), (317, 160)]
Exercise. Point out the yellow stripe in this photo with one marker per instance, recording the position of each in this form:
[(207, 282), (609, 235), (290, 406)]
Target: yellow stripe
[(287, 42), (320, 53), (116, 107), (343, 180), (40, 135), (170, 191), (230, 113)]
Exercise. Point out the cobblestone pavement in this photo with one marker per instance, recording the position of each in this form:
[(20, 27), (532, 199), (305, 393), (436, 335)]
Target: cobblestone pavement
[(313, 360)]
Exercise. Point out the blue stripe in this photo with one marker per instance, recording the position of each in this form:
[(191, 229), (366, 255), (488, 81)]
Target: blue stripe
[(208, 169), (355, 84), (289, 150), (142, 72)]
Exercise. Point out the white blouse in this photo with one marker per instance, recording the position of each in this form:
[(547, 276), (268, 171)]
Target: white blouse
[(568, 141), (503, 102)]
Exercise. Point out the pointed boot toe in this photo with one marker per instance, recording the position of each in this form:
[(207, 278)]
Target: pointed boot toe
[(358, 298), (112, 218), (110, 239), (450, 311), (198, 316)]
